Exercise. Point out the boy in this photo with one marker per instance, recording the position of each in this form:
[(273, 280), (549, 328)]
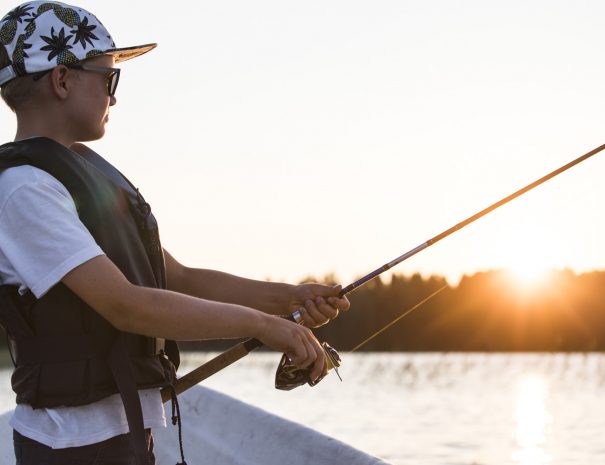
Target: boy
[(90, 299)]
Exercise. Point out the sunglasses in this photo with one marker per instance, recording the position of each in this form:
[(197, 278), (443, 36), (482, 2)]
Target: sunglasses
[(113, 75)]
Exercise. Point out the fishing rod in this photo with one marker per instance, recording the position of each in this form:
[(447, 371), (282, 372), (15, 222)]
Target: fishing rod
[(244, 348)]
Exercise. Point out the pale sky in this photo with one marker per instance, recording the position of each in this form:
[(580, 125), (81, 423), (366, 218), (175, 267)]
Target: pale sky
[(280, 139)]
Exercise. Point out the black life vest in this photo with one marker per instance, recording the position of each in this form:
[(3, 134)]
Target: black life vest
[(65, 353)]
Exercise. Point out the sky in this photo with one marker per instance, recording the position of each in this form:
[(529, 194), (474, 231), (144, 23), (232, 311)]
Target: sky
[(280, 140)]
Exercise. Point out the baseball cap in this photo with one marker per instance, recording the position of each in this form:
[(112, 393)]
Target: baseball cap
[(37, 36)]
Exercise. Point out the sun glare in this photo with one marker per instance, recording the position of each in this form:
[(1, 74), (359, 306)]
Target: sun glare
[(529, 259), (528, 276)]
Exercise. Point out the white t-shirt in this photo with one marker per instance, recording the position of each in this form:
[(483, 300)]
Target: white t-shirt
[(41, 240)]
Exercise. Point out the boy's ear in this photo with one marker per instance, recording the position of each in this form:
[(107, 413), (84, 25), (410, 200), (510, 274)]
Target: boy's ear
[(60, 81)]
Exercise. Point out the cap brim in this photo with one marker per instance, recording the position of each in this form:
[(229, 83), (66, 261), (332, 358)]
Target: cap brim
[(126, 53)]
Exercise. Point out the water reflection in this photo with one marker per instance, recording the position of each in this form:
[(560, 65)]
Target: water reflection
[(400, 406), (531, 419)]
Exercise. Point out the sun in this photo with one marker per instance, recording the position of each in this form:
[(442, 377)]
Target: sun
[(528, 274), (528, 255)]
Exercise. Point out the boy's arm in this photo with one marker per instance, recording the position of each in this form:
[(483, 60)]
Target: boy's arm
[(168, 314), (318, 303)]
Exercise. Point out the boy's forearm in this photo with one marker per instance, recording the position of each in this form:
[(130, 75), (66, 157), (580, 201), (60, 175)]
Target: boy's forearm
[(269, 297), (158, 312), (161, 313)]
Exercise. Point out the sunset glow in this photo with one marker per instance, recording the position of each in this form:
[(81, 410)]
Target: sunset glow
[(529, 277), (529, 256)]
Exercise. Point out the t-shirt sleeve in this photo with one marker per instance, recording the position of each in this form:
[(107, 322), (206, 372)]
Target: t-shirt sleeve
[(42, 236)]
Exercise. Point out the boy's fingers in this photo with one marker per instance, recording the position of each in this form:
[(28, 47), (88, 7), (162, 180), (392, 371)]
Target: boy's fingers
[(300, 354), (327, 310), (319, 364), (314, 316), (341, 303)]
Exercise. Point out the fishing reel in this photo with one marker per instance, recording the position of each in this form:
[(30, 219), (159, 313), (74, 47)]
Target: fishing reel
[(288, 376)]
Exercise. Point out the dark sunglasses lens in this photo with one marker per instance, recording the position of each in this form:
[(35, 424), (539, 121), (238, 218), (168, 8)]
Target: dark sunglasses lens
[(112, 84)]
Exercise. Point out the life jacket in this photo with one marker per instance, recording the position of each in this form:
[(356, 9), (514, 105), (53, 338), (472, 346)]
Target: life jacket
[(65, 353)]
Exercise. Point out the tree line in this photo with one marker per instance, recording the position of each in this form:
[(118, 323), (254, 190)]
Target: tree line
[(487, 311)]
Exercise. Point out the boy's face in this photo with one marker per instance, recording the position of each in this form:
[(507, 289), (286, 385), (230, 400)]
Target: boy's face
[(89, 101)]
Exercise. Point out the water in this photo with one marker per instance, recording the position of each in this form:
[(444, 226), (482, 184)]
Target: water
[(439, 409)]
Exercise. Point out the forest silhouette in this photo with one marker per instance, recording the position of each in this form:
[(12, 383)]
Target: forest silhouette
[(488, 311)]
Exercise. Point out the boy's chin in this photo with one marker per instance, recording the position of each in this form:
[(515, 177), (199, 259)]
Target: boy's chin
[(93, 136)]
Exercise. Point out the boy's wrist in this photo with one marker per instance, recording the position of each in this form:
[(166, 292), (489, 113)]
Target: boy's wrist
[(281, 296), (261, 326)]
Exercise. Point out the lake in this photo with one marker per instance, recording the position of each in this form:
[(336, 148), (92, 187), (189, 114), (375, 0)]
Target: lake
[(437, 408)]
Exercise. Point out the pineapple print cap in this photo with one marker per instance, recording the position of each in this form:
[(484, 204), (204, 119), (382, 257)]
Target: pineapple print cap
[(37, 36)]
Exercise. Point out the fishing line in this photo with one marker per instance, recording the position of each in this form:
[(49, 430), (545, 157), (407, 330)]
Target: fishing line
[(406, 313), (288, 376)]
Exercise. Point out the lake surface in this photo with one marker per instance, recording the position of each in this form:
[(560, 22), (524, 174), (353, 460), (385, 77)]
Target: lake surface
[(438, 409)]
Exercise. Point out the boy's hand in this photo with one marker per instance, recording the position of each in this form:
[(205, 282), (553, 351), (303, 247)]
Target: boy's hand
[(317, 303), (297, 342)]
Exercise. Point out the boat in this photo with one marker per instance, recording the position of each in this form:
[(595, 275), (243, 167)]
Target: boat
[(220, 430)]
